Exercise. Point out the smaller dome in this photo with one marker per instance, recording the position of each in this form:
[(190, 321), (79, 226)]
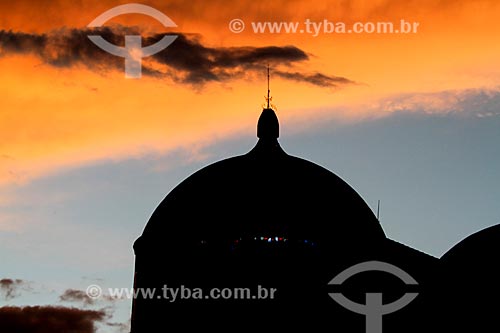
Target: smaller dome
[(479, 247), (469, 284)]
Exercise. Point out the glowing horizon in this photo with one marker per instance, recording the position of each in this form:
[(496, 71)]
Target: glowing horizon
[(84, 115)]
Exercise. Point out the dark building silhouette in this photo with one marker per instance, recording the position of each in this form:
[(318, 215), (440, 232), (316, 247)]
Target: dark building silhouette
[(468, 286), (273, 220)]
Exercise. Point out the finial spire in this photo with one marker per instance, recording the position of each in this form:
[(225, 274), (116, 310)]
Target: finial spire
[(268, 127), (268, 89), (268, 98)]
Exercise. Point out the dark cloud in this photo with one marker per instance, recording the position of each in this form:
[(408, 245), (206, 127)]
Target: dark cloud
[(74, 295), (10, 287), (317, 79), (49, 319), (186, 60), (65, 47)]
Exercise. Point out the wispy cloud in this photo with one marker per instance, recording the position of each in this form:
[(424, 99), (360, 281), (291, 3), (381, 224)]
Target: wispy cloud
[(74, 295), (10, 288), (470, 102), (186, 61), (121, 327), (80, 296), (317, 79)]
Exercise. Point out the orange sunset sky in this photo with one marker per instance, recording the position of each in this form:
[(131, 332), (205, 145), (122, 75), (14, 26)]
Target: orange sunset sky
[(54, 117), (86, 154)]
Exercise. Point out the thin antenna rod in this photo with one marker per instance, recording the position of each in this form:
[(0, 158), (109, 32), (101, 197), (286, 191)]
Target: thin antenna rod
[(268, 90), (378, 210)]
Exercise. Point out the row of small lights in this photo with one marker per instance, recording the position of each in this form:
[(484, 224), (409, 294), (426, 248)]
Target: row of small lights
[(269, 240), (275, 239), (265, 239)]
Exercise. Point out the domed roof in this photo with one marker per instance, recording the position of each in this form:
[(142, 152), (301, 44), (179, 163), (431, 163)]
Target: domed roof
[(265, 194), (479, 247), (469, 283)]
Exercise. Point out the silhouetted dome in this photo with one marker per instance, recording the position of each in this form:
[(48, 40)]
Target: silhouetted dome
[(267, 219), (477, 248), (469, 284), (263, 194)]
